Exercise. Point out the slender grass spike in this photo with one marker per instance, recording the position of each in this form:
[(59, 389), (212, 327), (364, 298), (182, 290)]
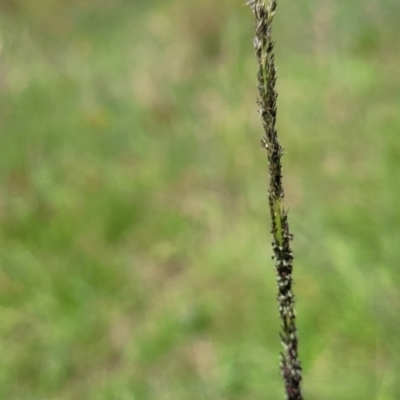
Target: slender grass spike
[(264, 48)]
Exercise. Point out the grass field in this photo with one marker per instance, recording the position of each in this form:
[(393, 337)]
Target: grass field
[(135, 259)]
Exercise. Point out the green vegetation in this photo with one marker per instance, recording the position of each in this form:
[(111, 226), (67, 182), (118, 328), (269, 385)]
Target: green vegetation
[(134, 224)]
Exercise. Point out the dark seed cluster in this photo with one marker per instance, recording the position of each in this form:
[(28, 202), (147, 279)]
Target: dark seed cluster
[(264, 46)]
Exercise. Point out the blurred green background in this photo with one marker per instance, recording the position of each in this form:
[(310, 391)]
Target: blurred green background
[(134, 228)]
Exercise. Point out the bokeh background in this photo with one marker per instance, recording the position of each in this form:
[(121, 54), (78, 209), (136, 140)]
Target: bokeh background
[(134, 228)]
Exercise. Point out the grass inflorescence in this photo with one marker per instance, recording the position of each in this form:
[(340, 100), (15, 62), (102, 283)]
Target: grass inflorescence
[(264, 47)]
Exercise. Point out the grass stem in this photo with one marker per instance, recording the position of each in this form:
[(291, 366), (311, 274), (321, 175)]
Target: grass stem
[(264, 48)]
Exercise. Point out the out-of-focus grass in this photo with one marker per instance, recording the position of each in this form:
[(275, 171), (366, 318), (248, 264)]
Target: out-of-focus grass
[(134, 233)]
